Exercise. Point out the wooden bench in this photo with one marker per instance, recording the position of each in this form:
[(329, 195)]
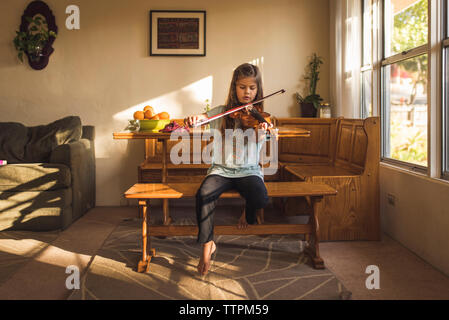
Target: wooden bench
[(344, 154), (150, 191)]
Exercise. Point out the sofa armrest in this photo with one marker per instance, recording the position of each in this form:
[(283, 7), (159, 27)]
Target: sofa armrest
[(79, 156), (69, 152), (88, 133)]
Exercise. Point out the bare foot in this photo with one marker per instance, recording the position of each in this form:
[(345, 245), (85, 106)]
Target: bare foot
[(242, 224), (204, 264), (259, 216)]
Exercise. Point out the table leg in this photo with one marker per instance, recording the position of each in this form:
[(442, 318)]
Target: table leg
[(312, 248), (147, 146), (144, 264), (165, 206), (164, 160)]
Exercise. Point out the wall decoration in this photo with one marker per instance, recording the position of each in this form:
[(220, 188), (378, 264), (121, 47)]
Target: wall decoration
[(37, 33), (177, 33)]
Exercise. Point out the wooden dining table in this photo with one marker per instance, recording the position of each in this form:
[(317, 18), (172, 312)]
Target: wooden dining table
[(163, 137)]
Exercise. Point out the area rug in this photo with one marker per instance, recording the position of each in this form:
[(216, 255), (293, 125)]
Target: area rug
[(245, 268)]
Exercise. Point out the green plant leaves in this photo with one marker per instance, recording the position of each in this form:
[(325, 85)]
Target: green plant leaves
[(315, 99), (299, 98), (34, 39), (312, 76)]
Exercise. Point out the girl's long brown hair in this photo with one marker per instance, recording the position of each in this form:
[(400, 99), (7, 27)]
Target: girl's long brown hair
[(243, 71)]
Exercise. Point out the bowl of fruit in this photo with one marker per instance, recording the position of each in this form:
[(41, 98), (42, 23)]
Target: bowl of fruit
[(151, 121)]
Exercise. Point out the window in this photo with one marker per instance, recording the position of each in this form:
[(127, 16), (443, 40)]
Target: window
[(366, 71), (404, 83)]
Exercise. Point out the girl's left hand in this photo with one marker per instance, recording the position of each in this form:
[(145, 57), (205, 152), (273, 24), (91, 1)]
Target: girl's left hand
[(264, 126)]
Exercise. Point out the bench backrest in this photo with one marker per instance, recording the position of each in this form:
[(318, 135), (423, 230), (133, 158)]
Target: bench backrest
[(352, 143), (319, 148), (336, 141)]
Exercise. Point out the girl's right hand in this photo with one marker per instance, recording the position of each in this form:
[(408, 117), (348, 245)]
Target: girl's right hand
[(191, 120)]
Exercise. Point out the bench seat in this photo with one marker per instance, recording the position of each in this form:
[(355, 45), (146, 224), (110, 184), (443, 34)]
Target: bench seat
[(305, 171), (187, 190), (146, 192)]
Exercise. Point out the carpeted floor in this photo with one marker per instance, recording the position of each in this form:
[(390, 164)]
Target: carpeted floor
[(33, 265), (19, 247), (245, 267)]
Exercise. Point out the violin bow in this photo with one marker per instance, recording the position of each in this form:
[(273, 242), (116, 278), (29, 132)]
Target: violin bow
[(217, 116)]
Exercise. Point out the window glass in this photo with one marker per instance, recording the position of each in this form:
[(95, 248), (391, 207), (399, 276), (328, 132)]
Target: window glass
[(367, 108), (446, 115), (405, 25), (405, 107), (366, 49)]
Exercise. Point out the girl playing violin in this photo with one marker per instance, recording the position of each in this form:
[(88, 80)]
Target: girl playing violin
[(246, 178)]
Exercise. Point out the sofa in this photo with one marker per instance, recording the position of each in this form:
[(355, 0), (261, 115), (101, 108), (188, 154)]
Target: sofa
[(49, 179)]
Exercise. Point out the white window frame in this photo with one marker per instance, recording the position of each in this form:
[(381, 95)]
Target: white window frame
[(443, 110), (385, 61), (366, 66)]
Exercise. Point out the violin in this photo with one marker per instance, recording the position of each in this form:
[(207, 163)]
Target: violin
[(250, 118)]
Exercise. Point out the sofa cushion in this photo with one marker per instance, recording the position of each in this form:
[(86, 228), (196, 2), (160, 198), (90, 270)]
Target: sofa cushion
[(44, 138), (34, 177), (13, 140), (20, 144), (36, 211)]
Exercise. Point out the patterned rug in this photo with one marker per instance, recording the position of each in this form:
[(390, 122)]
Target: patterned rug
[(245, 268)]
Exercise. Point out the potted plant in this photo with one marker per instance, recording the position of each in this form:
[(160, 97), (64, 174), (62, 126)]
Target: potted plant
[(311, 103), (33, 41)]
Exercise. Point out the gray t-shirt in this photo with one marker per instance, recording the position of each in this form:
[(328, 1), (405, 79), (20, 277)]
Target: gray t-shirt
[(236, 154)]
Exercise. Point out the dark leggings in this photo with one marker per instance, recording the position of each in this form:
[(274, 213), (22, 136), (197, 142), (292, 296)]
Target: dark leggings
[(251, 188)]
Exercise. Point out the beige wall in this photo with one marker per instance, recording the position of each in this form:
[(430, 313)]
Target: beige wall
[(103, 72), (419, 219)]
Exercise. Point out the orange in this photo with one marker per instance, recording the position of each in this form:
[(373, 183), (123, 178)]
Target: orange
[(139, 115), (163, 115), (148, 108), (156, 117), (149, 114)]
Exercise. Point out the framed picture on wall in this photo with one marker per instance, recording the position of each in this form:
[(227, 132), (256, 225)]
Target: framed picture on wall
[(177, 33)]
